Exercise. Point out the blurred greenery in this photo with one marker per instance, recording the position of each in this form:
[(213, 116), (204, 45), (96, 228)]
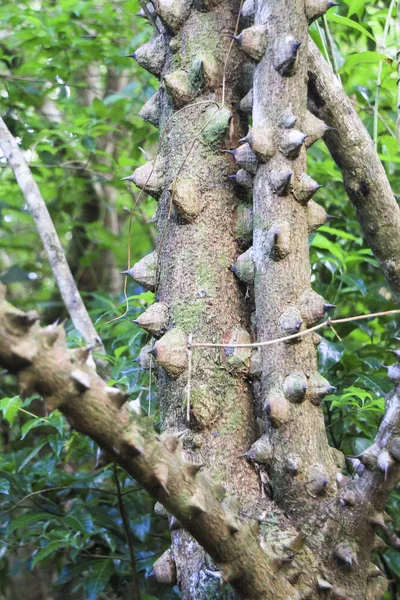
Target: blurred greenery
[(67, 92)]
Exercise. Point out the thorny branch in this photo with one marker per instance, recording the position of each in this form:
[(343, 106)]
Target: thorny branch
[(42, 362)]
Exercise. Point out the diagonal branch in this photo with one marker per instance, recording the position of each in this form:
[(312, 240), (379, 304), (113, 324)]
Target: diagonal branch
[(42, 362), (364, 177), (48, 234)]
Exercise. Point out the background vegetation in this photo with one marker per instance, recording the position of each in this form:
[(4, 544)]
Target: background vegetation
[(71, 98)]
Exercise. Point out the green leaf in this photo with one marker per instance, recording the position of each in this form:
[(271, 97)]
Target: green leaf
[(10, 407), (120, 350), (349, 23), (31, 455), (329, 354), (27, 519), (51, 548), (364, 57), (4, 486), (345, 235), (97, 578), (355, 6), (80, 520), (31, 424), (141, 527)]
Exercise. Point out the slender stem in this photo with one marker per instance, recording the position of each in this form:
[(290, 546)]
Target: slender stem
[(327, 323), (325, 47), (136, 583), (329, 41), (55, 489), (48, 234)]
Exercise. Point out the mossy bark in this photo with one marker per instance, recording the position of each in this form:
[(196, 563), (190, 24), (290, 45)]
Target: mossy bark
[(196, 247)]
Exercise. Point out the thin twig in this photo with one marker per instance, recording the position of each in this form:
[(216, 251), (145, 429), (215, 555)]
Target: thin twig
[(55, 489), (137, 595), (50, 240), (141, 193), (150, 16), (327, 323), (172, 195), (228, 55), (323, 42), (331, 46), (391, 537)]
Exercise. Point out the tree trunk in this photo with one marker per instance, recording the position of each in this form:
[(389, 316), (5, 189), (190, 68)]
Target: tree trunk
[(197, 219)]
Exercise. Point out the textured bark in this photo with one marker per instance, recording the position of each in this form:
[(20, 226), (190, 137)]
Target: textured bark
[(189, 271), (196, 247), (44, 364), (282, 279), (364, 177)]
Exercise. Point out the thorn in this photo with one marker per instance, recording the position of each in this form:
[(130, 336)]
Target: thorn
[(376, 520), (117, 397), (81, 380), (348, 498), (281, 561), (323, 585), (346, 553), (174, 524), (232, 524), (328, 306), (374, 571), (171, 442), (296, 543), (294, 577), (228, 573), (164, 569), (161, 476), (197, 503), (191, 469), (385, 462), (342, 480)]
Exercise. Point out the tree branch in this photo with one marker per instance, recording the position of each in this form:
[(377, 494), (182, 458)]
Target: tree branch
[(43, 363), (364, 177), (49, 237)]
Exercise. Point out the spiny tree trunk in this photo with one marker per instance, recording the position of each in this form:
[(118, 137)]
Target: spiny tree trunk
[(197, 217), (314, 540)]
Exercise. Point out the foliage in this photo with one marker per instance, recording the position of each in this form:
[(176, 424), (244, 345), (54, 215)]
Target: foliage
[(72, 528), (69, 91)]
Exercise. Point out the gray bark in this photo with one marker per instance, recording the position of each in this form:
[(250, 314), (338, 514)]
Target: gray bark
[(282, 277), (364, 177), (196, 246)]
